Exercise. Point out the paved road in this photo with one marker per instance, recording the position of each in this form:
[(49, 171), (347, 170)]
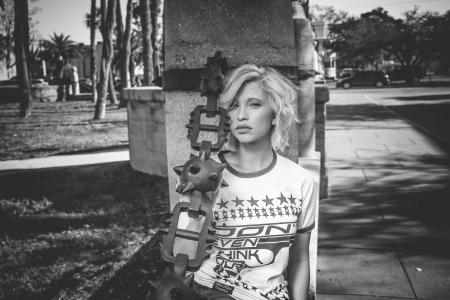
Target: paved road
[(385, 231)]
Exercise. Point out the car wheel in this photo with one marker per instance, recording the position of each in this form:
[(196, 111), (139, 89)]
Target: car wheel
[(379, 84), (346, 85)]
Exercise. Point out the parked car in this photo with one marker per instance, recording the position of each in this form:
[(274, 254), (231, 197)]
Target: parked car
[(408, 74), (365, 78), (348, 72)]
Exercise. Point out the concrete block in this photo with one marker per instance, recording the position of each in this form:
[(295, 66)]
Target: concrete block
[(322, 94), (146, 129), (257, 31)]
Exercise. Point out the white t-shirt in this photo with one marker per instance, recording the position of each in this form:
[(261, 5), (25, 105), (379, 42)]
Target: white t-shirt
[(256, 218)]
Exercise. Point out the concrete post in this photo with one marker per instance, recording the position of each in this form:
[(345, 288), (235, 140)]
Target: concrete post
[(255, 31), (322, 96), (146, 129), (308, 157), (304, 50)]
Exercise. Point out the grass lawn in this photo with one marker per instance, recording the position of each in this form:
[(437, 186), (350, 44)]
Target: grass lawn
[(59, 127), (80, 232)]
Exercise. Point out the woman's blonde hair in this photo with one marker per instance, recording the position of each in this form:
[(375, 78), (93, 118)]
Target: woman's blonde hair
[(281, 92)]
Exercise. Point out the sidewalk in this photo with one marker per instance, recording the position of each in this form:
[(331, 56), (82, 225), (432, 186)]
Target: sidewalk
[(385, 229), (11, 166)]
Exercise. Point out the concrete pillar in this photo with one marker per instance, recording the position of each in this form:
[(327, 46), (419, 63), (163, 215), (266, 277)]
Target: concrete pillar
[(322, 96), (304, 50), (308, 157), (255, 31), (146, 129)]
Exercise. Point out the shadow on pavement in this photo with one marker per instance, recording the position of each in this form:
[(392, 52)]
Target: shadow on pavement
[(401, 203)]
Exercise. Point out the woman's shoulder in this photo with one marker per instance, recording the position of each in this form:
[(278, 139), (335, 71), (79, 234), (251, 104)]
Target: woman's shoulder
[(290, 167)]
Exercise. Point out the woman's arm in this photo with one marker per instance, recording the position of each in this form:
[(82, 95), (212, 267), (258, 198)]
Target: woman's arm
[(298, 268)]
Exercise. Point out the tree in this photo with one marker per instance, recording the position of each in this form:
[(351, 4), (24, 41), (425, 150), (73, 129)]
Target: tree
[(328, 14), (376, 35), (108, 13), (95, 24), (93, 28), (156, 8), (21, 50), (125, 51), (147, 42), (7, 17), (60, 45), (57, 51), (7, 39), (440, 43)]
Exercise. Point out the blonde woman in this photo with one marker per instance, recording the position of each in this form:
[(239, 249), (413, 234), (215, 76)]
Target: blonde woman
[(263, 219)]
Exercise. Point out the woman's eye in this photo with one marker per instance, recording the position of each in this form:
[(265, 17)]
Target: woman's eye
[(255, 104), (233, 107)]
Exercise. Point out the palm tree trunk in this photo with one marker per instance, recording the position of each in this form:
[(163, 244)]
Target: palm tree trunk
[(111, 88), (154, 16), (21, 41), (108, 22), (147, 42), (125, 52), (93, 47), (131, 68)]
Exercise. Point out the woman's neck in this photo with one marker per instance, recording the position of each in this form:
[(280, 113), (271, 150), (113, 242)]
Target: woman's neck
[(250, 158)]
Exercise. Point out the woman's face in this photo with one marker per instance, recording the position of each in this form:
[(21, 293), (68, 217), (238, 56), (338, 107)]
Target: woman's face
[(252, 116)]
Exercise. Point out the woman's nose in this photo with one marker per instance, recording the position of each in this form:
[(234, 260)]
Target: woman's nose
[(242, 113)]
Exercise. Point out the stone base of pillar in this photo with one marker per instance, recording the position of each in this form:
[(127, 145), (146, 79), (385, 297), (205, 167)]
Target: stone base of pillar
[(146, 129)]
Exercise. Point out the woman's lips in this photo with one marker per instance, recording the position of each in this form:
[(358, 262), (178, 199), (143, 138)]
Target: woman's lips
[(242, 128)]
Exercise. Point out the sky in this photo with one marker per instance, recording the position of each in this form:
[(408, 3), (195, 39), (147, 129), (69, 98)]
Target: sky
[(67, 16)]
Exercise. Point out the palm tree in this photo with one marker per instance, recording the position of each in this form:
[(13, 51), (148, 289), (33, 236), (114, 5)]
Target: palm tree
[(93, 26), (57, 50), (146, 22), (125, 51), (108, 22), (60, 45), (21, 49)]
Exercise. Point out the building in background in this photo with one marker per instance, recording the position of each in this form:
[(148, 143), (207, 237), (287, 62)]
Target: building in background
[(326, 59)]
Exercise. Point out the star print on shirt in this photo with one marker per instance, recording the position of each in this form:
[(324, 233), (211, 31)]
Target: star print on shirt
[(286, 210), (268, 201), (241, 213), (280, 211), (282, 199), (224, 215), (238, 202), (233, 214), (222, 204), (292, 199), (253, 202), (272, 212)]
